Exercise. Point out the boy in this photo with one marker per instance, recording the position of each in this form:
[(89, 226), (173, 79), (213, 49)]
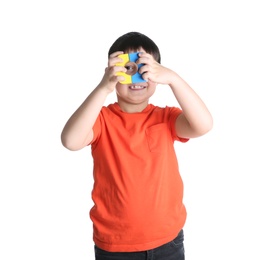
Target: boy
[(138, 211)]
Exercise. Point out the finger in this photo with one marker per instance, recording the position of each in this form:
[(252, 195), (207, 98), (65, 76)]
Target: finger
[(145, 76), (145, 55), (116, 54), (144, 69), (115, 60), (119, 69), (120, 78)]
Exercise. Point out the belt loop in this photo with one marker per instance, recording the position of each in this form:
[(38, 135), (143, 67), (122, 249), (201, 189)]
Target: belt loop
[(150, 254)]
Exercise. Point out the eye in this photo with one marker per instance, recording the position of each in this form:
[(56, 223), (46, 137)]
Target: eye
[(129, 68)]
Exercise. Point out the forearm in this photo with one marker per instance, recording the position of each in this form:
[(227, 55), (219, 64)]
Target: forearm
[(194, 109), (77, 132)]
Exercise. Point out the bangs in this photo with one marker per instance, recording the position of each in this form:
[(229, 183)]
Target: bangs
[(133, 41)]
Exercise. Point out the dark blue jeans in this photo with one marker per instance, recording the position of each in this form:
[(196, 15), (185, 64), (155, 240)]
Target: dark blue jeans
[(174, 250)]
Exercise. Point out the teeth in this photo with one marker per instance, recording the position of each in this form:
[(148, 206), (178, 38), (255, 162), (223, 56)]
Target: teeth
[(136, 87)]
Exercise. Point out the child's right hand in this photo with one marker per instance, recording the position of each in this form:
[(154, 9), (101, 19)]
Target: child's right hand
[(110, 77)]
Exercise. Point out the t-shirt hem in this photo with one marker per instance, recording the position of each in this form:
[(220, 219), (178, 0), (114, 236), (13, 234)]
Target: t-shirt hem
[(134, 247)]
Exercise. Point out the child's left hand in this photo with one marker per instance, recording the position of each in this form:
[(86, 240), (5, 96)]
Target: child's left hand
[(154, 71)]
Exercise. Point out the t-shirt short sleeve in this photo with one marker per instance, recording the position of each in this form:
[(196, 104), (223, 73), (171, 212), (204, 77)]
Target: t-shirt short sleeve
[(96, 129), (174, 113)]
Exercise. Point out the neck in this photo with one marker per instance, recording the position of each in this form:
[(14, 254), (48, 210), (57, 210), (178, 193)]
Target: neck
[(132, 108)]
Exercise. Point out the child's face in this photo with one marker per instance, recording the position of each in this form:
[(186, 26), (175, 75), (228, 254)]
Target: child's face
[(135, 93)]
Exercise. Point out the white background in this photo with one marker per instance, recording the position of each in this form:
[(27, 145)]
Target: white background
[(53, 53)]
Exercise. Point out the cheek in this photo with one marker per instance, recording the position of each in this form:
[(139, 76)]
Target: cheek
[(120, 88), (152, 86)]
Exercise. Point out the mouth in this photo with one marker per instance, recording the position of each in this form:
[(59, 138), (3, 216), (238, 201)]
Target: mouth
[(136, 87)]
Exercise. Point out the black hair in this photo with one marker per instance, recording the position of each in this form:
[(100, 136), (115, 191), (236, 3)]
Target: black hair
[(132, 41)]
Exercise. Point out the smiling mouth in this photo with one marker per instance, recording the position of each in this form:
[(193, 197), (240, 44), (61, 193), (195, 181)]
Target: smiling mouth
[(137, 87)]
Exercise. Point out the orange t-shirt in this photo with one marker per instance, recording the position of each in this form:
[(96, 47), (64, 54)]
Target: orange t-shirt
[(138, 190)]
